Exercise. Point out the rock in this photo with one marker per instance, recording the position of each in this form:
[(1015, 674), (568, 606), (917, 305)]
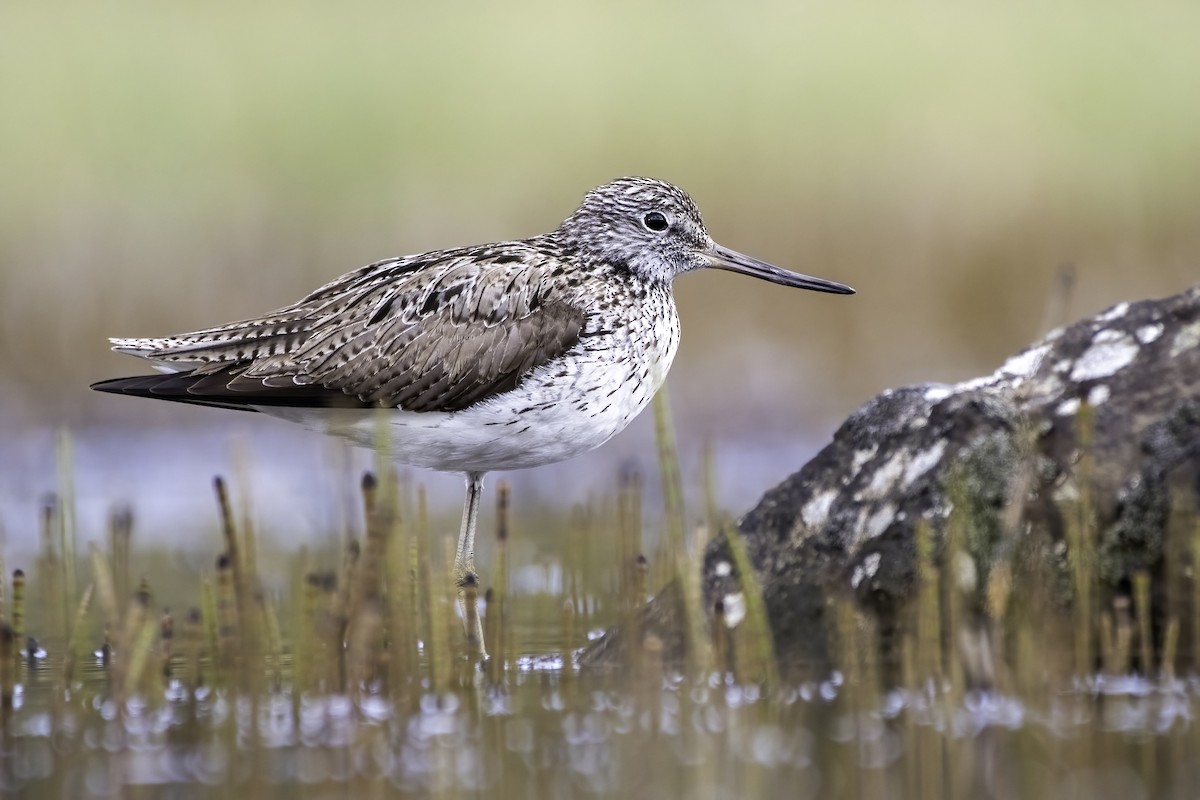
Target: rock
[(1010, 451)]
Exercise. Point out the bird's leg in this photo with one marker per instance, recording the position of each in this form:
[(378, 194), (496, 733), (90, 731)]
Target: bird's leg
[(464, 557), (464, 566)]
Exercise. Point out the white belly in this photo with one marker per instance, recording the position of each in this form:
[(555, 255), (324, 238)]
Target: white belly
[(561, 410)]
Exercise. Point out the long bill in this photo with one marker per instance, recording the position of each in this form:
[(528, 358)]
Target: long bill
[(724, 258)]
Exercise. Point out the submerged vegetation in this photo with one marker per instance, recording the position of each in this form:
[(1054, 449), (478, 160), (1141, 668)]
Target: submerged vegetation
[(357, 673)]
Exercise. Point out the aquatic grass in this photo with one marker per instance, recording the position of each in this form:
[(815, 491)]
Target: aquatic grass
[(227, 639), (211, 627), (1141, 605), (9, 653), (17, 611), (497, 627), (567, 637), (120, 535), (50, 572), (1182, 567), (193, 652), (856, 641), (401, 599), (65, 528), (374, 668), (753, 646), (362, 594), (633, 563), (1081, 544), (927, 605), (1195, 611), (273, 638), (674, 518), (137, 644), (683, 560)]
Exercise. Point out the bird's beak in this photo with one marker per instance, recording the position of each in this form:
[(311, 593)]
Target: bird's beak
[(724, 258)]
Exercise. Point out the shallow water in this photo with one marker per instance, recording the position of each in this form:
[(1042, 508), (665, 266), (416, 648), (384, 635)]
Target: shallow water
[(544, 732)]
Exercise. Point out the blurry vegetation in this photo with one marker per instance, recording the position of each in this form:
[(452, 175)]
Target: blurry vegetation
[(173, 167)]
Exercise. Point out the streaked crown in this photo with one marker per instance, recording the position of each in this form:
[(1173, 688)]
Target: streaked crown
[(643, 224)]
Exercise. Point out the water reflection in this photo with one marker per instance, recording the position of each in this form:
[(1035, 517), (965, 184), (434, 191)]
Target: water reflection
[(572, 732)]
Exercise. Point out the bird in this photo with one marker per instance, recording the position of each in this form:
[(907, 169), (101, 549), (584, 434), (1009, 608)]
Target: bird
[(499, 356)]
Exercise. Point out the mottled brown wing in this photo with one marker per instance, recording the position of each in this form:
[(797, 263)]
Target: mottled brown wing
[(435, 332), (433, 364), (441, 362)]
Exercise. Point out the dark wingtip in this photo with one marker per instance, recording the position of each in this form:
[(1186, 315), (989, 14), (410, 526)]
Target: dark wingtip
[(173, 387), (119, 385), (213, 389)]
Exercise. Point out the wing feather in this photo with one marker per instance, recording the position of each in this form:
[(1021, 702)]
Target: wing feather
[(439, 332)]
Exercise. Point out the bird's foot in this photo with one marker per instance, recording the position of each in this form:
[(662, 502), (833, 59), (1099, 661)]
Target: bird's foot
[(468, 598)]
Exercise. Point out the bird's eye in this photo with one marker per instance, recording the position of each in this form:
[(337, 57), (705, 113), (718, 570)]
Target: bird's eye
[(655, 221)]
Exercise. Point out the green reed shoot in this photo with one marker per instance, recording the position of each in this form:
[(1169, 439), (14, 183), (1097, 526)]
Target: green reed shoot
[(18, 603), (753, 646), (672, 482), (497, 595), (1081, 544), (120, 534), (66, 523)]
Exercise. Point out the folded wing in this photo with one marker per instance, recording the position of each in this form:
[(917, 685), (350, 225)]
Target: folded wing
[(432, 334)]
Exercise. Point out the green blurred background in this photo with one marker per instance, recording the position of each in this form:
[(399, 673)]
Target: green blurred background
[(165, 167)]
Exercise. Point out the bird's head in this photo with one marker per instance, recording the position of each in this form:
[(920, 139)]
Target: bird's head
[(654, 229)]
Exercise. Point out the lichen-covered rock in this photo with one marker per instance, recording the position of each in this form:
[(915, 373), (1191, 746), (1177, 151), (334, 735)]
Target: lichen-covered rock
[(1103, 414)]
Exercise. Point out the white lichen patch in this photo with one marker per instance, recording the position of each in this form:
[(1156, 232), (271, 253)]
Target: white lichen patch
[(937, 392), (735, 609), (1188, 338), (1098, 394), (1068, 408), (815, 512), (1026, 363), (862, 457), (1108, 335), (885, 477), (978, 383), (922, 462), (1116, 312), (1149, 333), (1110, 352), (878, 522), (866, 569)]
